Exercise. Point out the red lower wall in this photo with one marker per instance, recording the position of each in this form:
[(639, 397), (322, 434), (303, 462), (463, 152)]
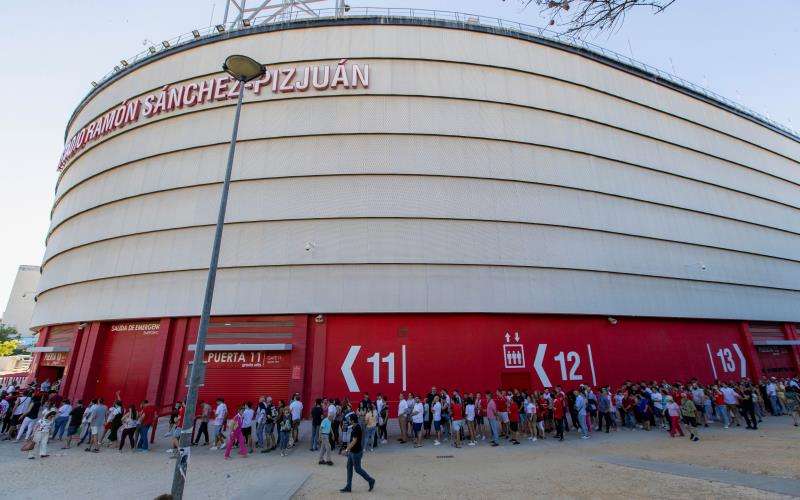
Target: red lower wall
[(349, 354), (476, 352)]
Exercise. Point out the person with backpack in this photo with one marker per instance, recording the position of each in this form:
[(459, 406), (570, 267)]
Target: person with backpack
[(284, 429)]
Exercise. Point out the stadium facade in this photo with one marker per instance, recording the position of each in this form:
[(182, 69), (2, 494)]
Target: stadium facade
[(415, 202)]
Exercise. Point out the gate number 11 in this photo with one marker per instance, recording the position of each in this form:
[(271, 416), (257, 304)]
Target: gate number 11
[(376, 359)]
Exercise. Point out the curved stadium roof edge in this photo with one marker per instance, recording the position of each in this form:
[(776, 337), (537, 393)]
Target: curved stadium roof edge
[(576, 46)]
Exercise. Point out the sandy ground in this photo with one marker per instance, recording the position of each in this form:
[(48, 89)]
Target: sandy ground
[(574, 468)]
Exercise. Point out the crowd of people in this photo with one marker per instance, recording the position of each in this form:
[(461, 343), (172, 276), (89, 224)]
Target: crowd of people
[(37, 415)]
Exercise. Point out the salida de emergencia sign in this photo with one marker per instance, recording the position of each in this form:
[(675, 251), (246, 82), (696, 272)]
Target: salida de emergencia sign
[(170, 98)]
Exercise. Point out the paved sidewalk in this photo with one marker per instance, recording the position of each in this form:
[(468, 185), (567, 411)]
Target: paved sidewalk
[(780, 485), (744, 464)]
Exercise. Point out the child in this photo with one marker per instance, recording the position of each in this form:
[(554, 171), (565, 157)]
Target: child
[(41, 434)]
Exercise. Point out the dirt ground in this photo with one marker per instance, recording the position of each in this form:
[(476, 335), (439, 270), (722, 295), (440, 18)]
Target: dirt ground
[(574, 469)]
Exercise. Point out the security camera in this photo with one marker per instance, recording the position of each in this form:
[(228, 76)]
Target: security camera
[(613, 321), (309, 246)]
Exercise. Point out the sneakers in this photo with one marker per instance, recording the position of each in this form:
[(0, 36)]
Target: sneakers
[(436, 443), (328, 463), (471, 443), (534, 440), (213, 448), (584, 437)]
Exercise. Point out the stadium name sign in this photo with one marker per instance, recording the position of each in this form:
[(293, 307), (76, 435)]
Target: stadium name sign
[(170, 98)]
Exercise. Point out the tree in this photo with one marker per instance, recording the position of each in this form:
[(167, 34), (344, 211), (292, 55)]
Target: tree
[(8, 333), (582, 16), (9, 341), (10, 347)]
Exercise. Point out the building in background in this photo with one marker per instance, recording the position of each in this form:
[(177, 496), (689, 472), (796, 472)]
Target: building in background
[(415, 202), (19, 308)]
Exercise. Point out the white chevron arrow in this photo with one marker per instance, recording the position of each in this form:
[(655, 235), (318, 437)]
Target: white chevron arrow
[(347, 368), (742, 361), (537, 365)]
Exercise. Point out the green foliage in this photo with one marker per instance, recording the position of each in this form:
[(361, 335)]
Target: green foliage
[(9, 341), (10, 347), (8, 333)]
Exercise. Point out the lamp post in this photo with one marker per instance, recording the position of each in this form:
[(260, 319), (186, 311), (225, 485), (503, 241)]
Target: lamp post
[(243, 69)]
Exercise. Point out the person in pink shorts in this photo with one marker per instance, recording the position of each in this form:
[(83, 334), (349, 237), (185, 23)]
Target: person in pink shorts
[(236, 435)]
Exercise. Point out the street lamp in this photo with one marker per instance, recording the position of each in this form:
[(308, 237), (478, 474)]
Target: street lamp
[(243, 69)]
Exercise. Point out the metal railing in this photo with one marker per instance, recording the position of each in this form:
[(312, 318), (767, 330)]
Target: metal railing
[(441, 15)]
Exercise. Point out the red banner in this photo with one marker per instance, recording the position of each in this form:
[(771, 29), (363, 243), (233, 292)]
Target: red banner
[(474, 352)]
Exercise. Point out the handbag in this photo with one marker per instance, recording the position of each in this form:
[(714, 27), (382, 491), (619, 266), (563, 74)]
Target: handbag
[(28, 445)]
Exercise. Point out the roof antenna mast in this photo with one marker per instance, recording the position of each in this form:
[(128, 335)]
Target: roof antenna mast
[(243, 14)]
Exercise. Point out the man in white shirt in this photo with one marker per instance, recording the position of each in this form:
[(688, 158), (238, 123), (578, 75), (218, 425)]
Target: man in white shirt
[(220, 413), (402, 408), (658, 407), (20, 416), (772, 394), (699, 400), (731, 398), (247, 425), (296, 408)]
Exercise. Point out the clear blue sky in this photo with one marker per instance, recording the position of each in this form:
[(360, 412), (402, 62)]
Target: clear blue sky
[(52, 50)]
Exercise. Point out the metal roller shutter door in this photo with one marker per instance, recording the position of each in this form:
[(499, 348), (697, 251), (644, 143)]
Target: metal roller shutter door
[(776, 360), (125, 366), (238, 385)]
